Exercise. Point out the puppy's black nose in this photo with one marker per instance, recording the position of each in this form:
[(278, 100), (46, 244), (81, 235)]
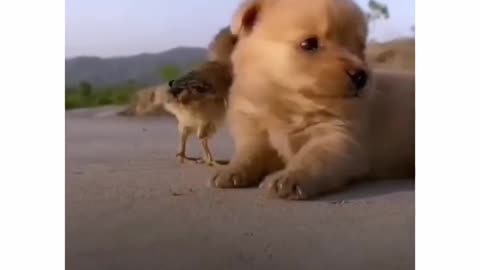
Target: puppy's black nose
[(359, 78)]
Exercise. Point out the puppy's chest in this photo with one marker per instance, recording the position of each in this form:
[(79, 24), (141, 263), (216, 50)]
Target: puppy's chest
[(288, 135), (276, 113), (287, 120)]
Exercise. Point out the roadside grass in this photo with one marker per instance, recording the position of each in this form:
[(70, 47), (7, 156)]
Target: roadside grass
[(93, 97)]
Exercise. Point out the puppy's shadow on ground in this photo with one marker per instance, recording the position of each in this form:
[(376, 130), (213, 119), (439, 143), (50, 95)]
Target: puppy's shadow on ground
[(366, 190)]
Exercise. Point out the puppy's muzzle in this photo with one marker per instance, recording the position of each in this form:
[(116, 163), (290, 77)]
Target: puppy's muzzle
[(359, 79)]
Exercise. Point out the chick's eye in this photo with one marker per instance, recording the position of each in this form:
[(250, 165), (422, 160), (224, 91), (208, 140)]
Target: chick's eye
[(310, 44), (201, 90)]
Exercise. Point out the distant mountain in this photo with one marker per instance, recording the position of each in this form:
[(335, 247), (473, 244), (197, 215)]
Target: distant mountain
[(144, 69)]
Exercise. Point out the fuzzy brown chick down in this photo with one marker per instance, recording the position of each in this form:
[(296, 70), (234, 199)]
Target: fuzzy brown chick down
[(198, 99)]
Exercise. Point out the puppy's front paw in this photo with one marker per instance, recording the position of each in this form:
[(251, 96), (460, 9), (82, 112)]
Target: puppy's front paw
[(233, 177), (286, 185)]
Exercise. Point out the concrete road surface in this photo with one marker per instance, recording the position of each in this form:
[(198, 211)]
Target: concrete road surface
[(130, 205)]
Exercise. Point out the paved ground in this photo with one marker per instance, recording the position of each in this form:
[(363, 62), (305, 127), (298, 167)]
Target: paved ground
[(130, 205)]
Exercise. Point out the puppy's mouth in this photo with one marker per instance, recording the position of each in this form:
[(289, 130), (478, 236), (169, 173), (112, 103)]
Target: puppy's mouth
[(359, 79)]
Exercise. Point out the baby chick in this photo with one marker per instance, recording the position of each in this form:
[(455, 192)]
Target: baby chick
[(198, 99), (147, 101)]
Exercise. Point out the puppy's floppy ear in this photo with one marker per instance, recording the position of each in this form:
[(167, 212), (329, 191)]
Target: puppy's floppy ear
[(246, 16)]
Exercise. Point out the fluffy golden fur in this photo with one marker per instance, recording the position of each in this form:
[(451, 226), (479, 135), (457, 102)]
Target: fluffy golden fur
[(199, 98), (222, 45), (300, 120)]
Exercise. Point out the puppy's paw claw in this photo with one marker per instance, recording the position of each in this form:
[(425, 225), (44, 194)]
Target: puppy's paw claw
[(284, 185), (230, 178)]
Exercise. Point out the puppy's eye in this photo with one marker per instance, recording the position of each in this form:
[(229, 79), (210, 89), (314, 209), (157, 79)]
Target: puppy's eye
[(310, 44)]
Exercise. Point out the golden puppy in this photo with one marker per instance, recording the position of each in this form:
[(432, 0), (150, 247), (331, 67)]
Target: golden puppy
[(305, 110), (221, 47)]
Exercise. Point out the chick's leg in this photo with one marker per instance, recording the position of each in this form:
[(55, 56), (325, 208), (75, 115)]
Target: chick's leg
[(181, 155), (204, 133), (209, 160)]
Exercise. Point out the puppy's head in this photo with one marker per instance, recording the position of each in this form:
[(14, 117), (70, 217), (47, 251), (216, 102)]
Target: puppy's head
[(311, 46)]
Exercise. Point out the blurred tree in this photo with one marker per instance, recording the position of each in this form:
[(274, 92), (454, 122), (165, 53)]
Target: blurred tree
[(131, 82), (169, 73), (377, 11), (85, 89), (104, 100)]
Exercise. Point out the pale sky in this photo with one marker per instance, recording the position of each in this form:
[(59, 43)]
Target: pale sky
[(127, 27)]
